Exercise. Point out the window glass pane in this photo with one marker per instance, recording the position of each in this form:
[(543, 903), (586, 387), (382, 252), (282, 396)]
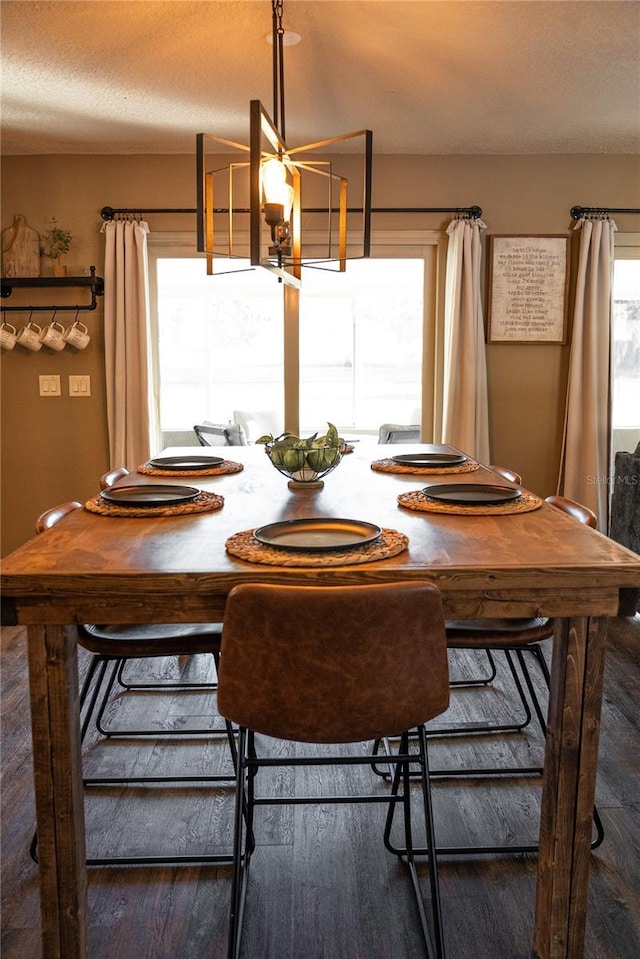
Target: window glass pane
[(220, 343), (626, 345), (361, 344)]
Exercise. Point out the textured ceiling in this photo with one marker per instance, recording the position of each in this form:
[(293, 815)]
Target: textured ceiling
[(428, 76)]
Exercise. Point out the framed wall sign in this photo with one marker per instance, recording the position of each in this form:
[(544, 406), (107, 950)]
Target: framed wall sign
[(528, 285)]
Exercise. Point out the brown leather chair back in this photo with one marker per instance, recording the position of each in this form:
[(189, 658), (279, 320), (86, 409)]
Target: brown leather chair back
[(332, 664), (507, 473), (582, 513), (112, 476), (52, 516)]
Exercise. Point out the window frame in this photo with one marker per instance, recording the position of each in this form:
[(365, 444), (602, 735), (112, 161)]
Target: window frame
[(428, 245)]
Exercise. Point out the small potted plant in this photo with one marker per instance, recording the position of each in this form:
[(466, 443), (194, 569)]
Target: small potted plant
[(55, 243)]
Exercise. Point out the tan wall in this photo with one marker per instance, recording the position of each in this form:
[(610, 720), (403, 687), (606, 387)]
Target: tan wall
[(55, 449)]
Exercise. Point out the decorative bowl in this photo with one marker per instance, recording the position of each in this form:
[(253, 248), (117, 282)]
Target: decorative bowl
[(304, 462), (305, 467)]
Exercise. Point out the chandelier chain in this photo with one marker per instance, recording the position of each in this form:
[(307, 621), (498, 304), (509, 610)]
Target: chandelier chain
[(278, 9)]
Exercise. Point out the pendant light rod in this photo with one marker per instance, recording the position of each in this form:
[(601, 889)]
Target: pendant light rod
[(277, 9)]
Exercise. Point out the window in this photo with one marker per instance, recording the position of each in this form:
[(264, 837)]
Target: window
[(219, 343), (625, 411), (361, 345), (363, 336)]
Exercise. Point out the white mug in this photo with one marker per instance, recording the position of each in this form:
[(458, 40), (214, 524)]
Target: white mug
[(77, 335), (53, 336), (29, 336), (8, 336)]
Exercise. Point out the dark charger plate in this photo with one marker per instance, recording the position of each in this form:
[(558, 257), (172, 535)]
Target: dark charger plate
[(186, 462), (316, 534), (429, 459), (471, 493), (149, 495)]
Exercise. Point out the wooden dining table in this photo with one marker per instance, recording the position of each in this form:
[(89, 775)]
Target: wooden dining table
[(94, 568)]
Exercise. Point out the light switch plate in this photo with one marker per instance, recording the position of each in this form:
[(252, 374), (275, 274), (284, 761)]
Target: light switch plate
[(79, 386), (50, 385)]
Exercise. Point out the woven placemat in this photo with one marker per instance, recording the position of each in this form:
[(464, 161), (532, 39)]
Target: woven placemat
[(227, 466), (203, 503), (417, 500), (245, 546), (390, 466)]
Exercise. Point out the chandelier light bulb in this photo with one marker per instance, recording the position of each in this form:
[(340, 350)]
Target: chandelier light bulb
[(275, 188)]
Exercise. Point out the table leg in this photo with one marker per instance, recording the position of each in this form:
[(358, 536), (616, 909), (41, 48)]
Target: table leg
[(53, 682), (569, 787)]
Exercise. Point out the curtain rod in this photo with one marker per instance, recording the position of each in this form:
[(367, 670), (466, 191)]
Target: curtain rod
[(475, 212), (579, 211)]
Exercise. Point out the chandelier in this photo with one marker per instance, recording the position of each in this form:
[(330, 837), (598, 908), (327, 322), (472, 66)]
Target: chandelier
[(273, 176)]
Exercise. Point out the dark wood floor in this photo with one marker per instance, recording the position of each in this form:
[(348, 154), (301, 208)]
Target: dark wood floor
[(322, 886)]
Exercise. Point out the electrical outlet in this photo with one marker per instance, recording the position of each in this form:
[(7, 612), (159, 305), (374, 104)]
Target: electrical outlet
[(79, 386), (50, 385)]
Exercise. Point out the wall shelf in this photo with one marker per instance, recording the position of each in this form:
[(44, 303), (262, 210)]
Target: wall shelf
[(95, 284)]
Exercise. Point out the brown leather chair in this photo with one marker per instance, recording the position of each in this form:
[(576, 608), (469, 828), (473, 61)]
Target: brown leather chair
[(483, 679), (507, 473), (507, 633), (119, 675), (576, 510), (112, 476), (312, 664), (515, 638), (115, 645)]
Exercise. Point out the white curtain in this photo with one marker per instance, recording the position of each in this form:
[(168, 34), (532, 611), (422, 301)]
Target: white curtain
[(127, 354), (585, 467), (465, 414)]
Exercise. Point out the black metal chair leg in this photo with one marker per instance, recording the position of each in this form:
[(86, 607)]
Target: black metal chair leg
[(431, 843), (481, 680), (464, 729), (434, 944), (97, 669), (509, 849), (388, 775), (96, 675), (130, 685), (111, 732), (218, 859), (105, 699), (243, 829), (538, 655)]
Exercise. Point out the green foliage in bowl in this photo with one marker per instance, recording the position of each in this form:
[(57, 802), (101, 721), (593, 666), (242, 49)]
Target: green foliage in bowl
[(304, 460)]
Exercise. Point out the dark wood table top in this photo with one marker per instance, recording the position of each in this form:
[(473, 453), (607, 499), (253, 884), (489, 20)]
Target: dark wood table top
[(468, 556), (92, 568)]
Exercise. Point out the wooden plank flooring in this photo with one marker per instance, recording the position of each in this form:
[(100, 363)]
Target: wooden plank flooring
[(322, 884)]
